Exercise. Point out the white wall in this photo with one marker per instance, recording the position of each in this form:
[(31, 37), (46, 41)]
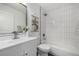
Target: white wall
[(33, 9), (62, 27), (36, 10), (11, 15)]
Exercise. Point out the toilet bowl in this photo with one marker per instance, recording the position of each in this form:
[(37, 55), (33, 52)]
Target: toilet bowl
[(44, 49)]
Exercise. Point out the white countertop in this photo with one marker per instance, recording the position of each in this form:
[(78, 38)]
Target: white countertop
[(12, 42)]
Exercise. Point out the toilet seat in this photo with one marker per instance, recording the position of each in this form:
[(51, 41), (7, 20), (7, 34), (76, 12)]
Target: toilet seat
[(44, 47)]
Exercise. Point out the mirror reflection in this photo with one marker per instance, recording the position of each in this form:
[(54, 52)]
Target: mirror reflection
[(12, 17)]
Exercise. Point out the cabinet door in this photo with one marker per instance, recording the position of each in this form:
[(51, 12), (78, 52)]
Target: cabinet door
[(11, 51), (30, 48), (25, 49)]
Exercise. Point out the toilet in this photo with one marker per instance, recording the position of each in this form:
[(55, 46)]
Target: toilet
[(43, 49)]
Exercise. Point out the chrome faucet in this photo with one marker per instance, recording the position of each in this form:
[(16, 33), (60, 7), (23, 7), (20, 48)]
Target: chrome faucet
[(15, 35)]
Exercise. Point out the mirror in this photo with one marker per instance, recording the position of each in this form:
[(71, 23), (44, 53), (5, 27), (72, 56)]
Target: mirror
[(12, 17), (6, 22)]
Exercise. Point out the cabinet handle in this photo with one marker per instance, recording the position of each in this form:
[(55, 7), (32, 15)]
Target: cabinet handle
[(26, 54)]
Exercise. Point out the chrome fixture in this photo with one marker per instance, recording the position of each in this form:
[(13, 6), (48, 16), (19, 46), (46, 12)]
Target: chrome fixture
[(15, 35)]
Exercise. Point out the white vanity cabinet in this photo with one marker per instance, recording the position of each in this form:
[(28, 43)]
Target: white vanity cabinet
[(28, 48), (11, 51)]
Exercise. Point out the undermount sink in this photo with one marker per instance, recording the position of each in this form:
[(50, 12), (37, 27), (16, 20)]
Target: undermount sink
[(5, 39)]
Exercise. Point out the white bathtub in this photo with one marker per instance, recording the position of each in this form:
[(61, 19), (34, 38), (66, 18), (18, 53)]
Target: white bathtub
[(59, 51)]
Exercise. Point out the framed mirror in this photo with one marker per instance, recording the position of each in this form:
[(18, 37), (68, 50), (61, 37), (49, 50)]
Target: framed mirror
[(12, 17)]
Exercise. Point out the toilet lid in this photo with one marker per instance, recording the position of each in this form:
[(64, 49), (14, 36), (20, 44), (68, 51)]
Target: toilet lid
[(44, 47)]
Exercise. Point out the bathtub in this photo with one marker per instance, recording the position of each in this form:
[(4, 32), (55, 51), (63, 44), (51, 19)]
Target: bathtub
[(59, 51)]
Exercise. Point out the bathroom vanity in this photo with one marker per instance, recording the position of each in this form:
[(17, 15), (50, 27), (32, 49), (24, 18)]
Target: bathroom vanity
[(25, 46), (13, 19)]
